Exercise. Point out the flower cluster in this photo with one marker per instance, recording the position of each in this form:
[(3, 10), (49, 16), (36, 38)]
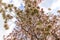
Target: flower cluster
[(33, 24)]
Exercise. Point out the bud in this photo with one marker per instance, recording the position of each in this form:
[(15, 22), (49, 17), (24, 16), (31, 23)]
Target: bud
[(58, 11), (9, 16), (49, 8), (42, 10), (6, 26)]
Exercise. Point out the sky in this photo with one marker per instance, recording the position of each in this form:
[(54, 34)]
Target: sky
[(53, 4), (47, 3)]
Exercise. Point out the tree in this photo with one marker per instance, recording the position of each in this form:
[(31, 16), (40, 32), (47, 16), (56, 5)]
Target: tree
[(32, 23)]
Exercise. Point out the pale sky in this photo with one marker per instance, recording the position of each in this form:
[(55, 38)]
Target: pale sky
[(53, 4)]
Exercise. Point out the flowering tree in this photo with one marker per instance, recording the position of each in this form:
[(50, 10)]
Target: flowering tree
[(32, 23)]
